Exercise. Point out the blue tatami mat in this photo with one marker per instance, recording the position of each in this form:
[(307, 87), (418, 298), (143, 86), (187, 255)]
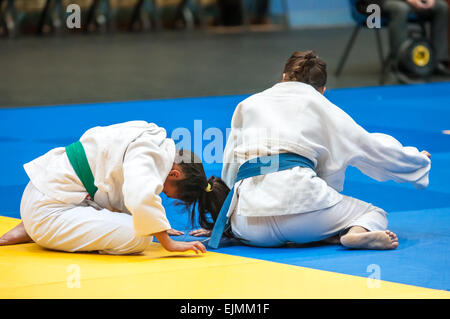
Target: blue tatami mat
[(416, 115), (422, 258)]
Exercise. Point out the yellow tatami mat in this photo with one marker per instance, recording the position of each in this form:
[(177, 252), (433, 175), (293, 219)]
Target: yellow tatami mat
[(28, 271)]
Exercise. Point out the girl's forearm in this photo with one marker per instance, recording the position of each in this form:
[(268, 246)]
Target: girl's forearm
[(164, 239)]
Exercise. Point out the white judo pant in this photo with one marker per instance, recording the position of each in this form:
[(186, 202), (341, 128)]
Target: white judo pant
[(60, 226), (275, 231)]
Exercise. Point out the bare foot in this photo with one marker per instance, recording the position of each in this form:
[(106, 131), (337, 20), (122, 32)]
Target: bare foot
[(370, 240), (17, 235)]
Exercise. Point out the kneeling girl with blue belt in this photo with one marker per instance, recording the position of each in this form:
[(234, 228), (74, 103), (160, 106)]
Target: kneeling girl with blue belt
[(285, 162)]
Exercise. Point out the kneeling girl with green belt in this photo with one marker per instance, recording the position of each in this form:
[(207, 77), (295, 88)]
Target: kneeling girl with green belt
[(102, 192)]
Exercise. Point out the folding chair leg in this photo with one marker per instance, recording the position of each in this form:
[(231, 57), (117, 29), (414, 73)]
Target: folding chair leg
[(387, 68), (347, 50), (380, 46)]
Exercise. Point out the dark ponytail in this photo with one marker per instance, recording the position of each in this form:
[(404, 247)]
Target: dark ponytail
[(196, 190), (211, 201), (306, 67)]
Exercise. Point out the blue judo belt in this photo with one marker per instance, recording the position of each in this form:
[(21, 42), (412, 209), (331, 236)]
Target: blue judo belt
[(255, 167)]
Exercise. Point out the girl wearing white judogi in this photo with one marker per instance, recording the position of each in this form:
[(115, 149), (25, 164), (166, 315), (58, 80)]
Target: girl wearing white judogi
[(301, 204), (131, 164)]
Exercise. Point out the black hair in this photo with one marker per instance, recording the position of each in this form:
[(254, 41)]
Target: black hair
[(193, 190)]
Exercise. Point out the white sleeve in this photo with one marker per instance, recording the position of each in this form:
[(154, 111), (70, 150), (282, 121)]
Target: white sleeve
[(145, 167), (383, 158), (377, 155)]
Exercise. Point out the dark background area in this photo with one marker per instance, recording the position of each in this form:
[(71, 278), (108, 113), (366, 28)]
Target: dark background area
[(62, 66), (169, 64)]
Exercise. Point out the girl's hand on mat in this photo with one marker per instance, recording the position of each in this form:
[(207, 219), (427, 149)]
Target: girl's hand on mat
[(185, 246), (174, 232), (200, 233), (426, 153), (172, 245)]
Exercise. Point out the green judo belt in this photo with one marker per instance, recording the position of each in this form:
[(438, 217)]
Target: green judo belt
[(77, 158)]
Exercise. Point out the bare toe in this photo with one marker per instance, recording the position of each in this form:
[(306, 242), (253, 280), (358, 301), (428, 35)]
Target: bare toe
[(391, 234)]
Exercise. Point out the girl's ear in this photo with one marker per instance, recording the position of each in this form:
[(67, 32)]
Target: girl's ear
[(322, 90), (284, 77), (175, 173)]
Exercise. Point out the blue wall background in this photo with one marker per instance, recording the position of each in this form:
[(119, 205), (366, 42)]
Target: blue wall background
[(306, 13)]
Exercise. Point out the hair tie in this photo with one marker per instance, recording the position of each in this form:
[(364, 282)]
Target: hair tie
[(208, 188)]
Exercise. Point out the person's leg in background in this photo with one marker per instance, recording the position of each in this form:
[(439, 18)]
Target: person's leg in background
[(397, 12), (439, 37), (448, 32)]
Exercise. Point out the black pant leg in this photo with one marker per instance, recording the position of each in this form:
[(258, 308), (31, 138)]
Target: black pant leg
[(439, 30), (397, 12)]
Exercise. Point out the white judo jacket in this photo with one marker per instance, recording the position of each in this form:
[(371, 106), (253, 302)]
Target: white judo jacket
[(294, 117), (130, 162)]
